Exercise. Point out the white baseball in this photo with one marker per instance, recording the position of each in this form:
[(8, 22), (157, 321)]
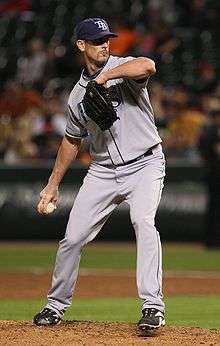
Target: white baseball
[(50, 208)]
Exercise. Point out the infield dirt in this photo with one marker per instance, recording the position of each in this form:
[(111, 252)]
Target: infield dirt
[(106, 284), (101, 333)]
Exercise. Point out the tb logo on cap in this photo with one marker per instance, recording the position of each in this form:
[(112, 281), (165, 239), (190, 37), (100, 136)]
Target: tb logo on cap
[(101, 25)]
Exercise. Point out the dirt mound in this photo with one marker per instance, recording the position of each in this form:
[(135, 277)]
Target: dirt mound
[(100, 333)]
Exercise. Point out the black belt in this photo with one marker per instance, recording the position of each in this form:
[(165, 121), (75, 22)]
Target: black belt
[(147, 153)]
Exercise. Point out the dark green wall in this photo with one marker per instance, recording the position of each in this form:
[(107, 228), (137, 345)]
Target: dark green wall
[(180, 216)]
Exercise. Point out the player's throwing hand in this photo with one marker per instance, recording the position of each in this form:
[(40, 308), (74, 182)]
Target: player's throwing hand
[(48, 198)]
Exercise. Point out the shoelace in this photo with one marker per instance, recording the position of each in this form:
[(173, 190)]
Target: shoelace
[(149, 312), (53, 313)]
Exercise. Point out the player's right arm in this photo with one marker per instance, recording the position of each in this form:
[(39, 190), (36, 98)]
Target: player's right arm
[(135, 68), (66, 155)]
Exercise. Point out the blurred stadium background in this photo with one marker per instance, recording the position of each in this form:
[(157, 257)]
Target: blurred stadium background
[(39, 66)]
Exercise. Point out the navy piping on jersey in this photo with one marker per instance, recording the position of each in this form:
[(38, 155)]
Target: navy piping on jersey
[(83, 86), (86, 76), (74, 136), (80, 105), (116, 146), (91, 77), (74, 117), (110, 155)]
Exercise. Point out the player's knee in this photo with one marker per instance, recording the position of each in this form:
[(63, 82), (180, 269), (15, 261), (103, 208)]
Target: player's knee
[(140, 220), (75, 240), (75, 234)]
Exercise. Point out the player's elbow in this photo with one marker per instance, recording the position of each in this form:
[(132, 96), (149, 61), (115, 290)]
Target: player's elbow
[(148, 66)]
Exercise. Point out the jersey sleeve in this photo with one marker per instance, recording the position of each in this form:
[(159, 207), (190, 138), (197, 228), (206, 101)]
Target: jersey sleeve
[(141, 83), (74, 128)]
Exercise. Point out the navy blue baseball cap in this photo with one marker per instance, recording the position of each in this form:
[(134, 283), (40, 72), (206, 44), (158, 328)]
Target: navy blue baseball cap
[(92, 29)]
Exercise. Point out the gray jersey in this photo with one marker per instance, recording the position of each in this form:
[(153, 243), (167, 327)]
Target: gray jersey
[(131, 135)]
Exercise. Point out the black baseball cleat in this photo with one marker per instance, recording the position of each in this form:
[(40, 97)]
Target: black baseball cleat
[(47, 317), (152, 319)]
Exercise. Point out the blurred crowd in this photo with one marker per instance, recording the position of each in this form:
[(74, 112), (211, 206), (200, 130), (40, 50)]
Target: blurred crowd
[(39, 67)]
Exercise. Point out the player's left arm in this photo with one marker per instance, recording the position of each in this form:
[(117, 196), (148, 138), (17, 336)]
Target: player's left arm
[(138, 69)]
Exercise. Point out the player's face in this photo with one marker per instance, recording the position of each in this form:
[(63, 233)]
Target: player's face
[(96, 51)]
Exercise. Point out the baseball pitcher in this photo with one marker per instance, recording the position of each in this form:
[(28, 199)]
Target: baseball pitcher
[(110, 102)]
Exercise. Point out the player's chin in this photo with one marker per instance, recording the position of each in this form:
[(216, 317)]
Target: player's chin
[(102, 59)]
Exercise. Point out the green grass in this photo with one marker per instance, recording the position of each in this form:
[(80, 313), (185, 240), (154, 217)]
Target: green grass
[(202, 311), (29, 257)]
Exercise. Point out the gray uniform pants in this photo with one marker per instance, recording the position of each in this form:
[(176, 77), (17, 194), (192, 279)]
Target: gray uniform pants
[(140, 185)]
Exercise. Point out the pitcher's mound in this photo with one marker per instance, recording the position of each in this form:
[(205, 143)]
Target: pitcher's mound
[(78, 333)]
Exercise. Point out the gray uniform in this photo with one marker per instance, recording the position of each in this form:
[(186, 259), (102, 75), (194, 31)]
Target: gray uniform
[(119, 172)]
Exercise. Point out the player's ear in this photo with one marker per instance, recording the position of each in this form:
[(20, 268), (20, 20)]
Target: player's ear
[(81, 45)]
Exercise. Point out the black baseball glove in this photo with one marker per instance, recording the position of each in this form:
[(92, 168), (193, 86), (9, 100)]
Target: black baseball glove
[(98, 106)]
